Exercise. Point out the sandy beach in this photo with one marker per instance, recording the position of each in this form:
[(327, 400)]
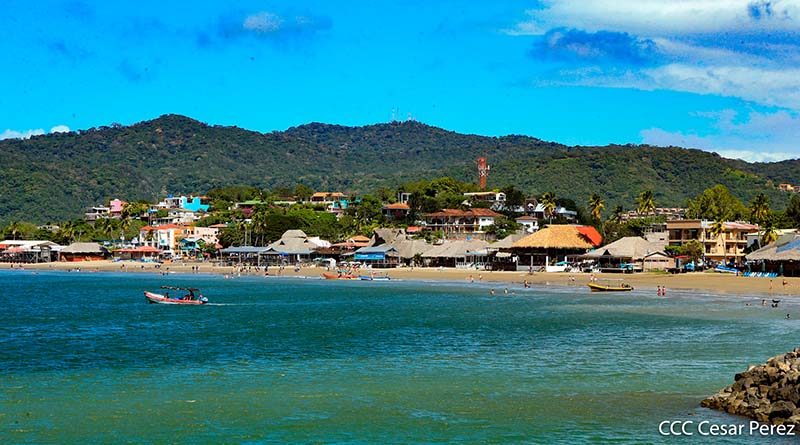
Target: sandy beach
[(708, 282)]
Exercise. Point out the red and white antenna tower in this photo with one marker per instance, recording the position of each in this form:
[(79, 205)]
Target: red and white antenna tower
[(483, 172)]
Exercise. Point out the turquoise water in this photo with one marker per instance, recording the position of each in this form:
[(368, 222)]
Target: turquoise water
[(83, 359)]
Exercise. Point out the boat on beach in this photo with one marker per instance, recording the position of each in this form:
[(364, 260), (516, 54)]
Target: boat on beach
[(622, 287), (190, 298)]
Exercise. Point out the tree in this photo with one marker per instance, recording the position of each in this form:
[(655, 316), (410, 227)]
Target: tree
[(770, 234), (104, 227), (716, 230), (716, 204), (759, 209), (303, 192), (514, 197), (645, 203), (793, 210), (596, 205), (617, 214), (548, 202), (503, 227), (135, 209), (694, 250)]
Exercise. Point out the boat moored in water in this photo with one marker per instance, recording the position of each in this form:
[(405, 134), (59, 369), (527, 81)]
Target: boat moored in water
[(191, 298), (596, 287)]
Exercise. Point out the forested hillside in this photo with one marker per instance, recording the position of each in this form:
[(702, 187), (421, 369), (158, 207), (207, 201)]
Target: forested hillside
[(57, 175)]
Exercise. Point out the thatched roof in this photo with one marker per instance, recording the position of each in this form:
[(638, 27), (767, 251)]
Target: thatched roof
[(559, 237), (508, 241), (387, 236), (294, 234), (455, 249), (408, 248), (786, 248), (633, 247), (93, 248)]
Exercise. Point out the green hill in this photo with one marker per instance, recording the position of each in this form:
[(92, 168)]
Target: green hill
[(56, 176)]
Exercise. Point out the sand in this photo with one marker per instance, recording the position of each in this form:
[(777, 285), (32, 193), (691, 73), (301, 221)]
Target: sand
[(709, 282)]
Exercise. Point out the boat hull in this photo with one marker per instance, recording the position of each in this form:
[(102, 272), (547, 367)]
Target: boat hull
[(368, 278), (335, 276), (160, 299), (602, 288)]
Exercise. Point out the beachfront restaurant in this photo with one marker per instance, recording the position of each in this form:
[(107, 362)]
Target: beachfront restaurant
[(553, 244), (28, 251), (462, 254), (84, 252), (630, 254), (140, 253), (382, 257), (246, 255), (781, 257)]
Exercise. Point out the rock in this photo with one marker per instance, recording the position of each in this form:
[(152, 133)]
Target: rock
[(767, 393), (782, 408)]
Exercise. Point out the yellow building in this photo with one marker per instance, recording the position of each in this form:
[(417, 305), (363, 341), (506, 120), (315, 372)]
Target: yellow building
[(727, 246)]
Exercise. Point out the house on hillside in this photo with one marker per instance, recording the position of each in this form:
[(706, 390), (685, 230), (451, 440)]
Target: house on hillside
[(495, 200), (191, 203), (554, 243), (529, 223), (456, 222), (395, 211)]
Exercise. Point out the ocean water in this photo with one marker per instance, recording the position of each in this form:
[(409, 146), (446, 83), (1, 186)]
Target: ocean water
[(83, 359)]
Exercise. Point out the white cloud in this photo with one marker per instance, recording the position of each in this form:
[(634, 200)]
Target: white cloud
[(263, 22), (26, 134), (762, 137), (657, 17), (746, 49)]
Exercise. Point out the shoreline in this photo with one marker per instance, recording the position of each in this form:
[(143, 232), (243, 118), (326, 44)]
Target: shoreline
[(708, 282)]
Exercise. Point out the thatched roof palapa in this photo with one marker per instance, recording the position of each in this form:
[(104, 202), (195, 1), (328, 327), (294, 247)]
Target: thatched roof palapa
[(455, 249), (92, 248), (786, 248), (633, 247), (560, 237)]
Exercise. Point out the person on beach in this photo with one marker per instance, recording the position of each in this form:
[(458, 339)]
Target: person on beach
[(471, 278), (491, 291), (480, 277), (505, 291), (658, 291)]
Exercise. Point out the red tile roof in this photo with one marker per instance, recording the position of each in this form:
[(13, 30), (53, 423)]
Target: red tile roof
[(397, 206), (488, 213)]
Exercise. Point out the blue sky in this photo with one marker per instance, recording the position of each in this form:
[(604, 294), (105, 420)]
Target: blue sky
[(712, 74)]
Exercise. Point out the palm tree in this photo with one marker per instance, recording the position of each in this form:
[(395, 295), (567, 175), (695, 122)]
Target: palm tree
[(645, 203), (618, 211), (759, 209), (716, 230), (596, 206), (14, 229), (67, 231), (104, 227), (770, 235), (548, 202)]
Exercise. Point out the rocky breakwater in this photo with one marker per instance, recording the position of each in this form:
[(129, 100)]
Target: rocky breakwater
[(768, 393)]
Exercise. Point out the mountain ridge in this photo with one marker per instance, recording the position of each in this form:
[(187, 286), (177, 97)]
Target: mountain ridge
[(57, 176)]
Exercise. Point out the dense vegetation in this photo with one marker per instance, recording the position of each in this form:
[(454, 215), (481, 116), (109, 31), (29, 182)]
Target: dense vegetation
[(56, 176)]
